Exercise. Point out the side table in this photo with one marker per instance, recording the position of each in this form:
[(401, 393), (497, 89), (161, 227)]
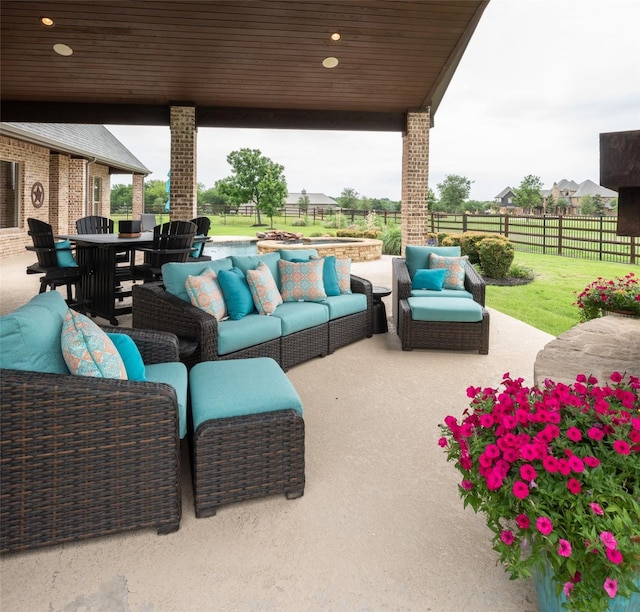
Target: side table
[(379, 310)]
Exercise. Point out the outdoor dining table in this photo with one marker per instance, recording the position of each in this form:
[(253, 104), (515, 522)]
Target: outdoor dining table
[(96, 254)]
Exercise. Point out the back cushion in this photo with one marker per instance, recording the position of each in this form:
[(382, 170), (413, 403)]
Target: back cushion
[(298, 254), (30, 335), (251, 262), (174, 275), (417, 257)]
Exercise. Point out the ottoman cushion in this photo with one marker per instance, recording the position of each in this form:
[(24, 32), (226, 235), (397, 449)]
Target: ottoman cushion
[(445, 309), (239, 387)]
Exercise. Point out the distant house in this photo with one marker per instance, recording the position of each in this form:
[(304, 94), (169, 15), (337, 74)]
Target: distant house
[(316, 200), (505, 198), (573, 193), (58, 173)]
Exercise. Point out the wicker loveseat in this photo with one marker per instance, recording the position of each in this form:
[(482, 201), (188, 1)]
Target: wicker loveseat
[(460, 319), (83, 457), (320, 328)]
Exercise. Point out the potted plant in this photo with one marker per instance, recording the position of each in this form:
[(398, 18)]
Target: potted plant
[(556, 471), (620, 296)]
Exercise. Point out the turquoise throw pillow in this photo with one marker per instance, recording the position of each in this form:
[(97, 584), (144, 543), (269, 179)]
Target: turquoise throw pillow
[(329, 275), (236, 292), (198, 247), (130, 355), (429, 279), (417, 257), (64, 255)]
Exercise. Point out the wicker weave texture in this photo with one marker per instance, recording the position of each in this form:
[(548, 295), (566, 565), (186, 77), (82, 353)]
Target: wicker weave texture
[(241, 458)]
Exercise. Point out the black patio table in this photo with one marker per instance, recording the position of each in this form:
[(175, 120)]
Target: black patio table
[(101, 281)]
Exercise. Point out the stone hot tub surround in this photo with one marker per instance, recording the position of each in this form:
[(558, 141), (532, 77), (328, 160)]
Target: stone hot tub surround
[(356, 249)]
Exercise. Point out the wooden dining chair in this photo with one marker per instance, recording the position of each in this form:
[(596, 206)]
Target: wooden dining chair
[(56, 264), (172, 241), (202, 224)]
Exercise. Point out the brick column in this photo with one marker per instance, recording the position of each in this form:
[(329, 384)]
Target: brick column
[(77, 192), (183, 197), (137, 199), (59, 193), (415, 179)]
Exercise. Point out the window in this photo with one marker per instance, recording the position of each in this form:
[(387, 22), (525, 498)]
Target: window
[(97, 193), (9, 194)]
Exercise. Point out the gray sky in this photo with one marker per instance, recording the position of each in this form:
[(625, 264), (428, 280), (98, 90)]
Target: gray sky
[(538, 83)]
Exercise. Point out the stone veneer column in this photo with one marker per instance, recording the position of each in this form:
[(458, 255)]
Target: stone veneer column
[(137, 199), (184, 189), (415, 179)]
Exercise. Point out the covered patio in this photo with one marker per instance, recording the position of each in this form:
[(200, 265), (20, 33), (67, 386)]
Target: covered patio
[(380, 526)]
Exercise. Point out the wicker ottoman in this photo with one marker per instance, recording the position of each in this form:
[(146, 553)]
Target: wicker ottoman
[(444, 323), (248, 433)]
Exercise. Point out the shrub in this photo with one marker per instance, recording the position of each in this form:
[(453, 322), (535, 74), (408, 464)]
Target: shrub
[(469, 242), (496, 256), (451, 240), (392, 240), (440, 236), (299, 222), (351, 233), (518, 271)]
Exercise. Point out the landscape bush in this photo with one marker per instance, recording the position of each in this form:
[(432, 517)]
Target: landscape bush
[(391, 240), (496, 256)]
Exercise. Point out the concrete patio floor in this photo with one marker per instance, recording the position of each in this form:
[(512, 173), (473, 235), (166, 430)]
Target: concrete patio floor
[(380, 526)]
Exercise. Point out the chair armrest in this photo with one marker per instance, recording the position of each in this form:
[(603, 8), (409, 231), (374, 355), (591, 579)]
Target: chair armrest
[(154, 346), (155, 308), (474, 284), (400, 286), (362, 285)]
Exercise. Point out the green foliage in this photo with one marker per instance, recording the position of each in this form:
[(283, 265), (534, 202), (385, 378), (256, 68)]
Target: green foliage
[(348, 198), (335, 221), (496, 256), (255, 179), (591, 205), (391, 240), (553, 472), (121, 199), (529, 194), (454, 190), (299, 222), (450, 240), (518, 271), (357, 233), (469, 242)]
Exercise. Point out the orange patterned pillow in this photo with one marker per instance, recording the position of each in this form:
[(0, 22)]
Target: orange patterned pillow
[(204, 293)]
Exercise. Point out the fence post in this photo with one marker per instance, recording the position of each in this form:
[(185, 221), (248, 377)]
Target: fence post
[(600, 241), (544, 234), (464, 222), (632, 250), (560, 234), (506, 224)]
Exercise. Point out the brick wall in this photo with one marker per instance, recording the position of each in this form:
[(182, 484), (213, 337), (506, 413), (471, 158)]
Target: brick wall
[(184, 190), (415, 178), (59, 193), (137, 205)]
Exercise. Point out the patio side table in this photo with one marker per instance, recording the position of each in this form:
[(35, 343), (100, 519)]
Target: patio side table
[(379, 310)]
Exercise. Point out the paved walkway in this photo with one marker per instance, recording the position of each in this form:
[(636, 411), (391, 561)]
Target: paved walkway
[(380, 526)]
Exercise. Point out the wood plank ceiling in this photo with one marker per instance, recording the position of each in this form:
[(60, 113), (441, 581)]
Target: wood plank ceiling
[(252, 63)]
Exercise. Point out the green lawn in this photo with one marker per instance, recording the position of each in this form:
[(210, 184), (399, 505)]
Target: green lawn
[(547, 302)]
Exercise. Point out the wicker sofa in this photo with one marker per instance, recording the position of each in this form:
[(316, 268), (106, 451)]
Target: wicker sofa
[(437, 334), (84, 457), (162, 307)]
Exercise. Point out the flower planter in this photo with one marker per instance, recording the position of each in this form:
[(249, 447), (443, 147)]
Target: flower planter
[(619, 313), (549, 601)]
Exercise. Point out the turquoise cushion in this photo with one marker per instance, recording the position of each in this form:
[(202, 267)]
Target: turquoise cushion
[(445, 309), (251, 262), (444, 293), (296, 316), (196, 251), (64, 256), (251, 330), (299, 254), (270, 389), (428, 279), (130, 355), (174, 275), (417, 257), (30, 335), (173, 373), (330, 276), (236, 292), (347, 304)]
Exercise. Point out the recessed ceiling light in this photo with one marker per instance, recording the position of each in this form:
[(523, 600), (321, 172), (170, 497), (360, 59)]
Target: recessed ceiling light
[(62, 49), (46, 21), (335, 36), (330, 62)]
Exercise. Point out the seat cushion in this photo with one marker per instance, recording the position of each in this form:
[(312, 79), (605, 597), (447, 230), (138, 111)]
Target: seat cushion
[(270, 389), (445, 309), (344, 305), (30, 335), (296, 316), (445, 293), (174, 275), (173, 373), (251, 330), (417, 257)]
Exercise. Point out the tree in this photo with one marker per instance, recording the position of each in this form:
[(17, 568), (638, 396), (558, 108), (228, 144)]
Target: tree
[(256, 180), (303, 202), (529, 194), (454, 190), (121, 198), (348, 198), (155, 196), (591, 205)]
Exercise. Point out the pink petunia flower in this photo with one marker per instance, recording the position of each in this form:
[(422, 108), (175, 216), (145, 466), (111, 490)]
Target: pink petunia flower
[(520, 489), (576, 464), (573, 433), (550, 463), (507, 537), (522, 521), (592, 462), (597, 509), (467, 485), (621, 447), (608, 540), (544, 525), (595, 433), (568, 587), (442, 442), (611, 587), (614, 555), (574, 486), (528, 472), (564, 548)]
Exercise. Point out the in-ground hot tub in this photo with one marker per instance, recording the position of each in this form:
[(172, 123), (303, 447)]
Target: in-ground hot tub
[(222, 246), (356, 249)]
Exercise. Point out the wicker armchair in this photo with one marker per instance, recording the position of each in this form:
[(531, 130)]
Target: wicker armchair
[(84, 457), (438, 334)]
